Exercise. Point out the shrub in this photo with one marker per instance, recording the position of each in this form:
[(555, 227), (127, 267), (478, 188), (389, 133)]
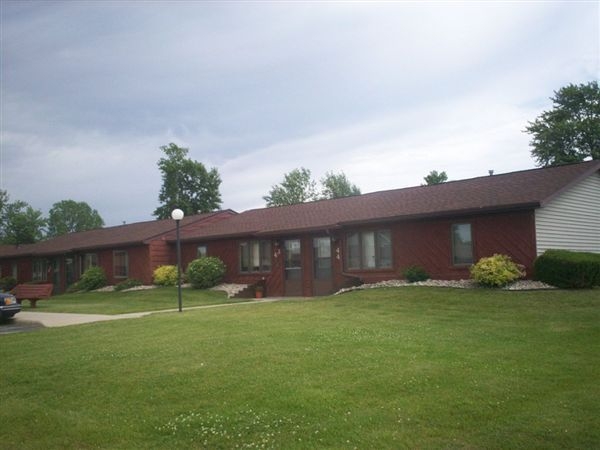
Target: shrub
[(206, 272), (165, 276), (415, 273), (128, 284), (7, 283), (569, 270), (93, 278), (496, 271)]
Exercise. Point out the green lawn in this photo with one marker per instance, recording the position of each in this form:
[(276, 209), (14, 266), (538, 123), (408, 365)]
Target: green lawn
[(160, 298), (388, 368)]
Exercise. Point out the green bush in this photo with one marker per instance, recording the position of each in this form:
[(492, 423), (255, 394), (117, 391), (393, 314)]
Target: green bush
[(496, 271), (415, 273), (7, 283), (128, 284), (568, 270), (93, 278), (206, 272), (165, 276)]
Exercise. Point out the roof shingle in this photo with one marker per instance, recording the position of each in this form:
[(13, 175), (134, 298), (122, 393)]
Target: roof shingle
[(523, 189)]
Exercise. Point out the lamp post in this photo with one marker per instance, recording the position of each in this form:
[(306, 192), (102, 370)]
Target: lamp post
[(177, 215)]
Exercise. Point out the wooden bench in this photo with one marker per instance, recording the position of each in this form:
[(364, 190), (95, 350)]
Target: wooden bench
[(32, 292)]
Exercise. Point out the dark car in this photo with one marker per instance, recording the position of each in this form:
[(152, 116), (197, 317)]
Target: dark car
[(8, 305)]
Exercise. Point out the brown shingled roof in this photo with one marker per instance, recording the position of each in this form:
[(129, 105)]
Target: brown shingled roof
[(515, 190), (128, 234)]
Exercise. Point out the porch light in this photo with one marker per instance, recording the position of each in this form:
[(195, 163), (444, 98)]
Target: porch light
[(177, 215)]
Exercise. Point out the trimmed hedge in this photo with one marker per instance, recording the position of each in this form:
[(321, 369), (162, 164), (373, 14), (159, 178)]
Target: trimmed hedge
[(569, 270)]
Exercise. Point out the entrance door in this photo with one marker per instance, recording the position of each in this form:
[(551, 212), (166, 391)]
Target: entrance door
[(69, 271), (322, 281), (293, 267), (56, 275)]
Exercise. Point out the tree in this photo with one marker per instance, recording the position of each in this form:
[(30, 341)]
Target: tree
[(296, 187), (3, 201), (570, 132), (68, 216), (435, 178), (336, 186), (187, 184), (21, 224)]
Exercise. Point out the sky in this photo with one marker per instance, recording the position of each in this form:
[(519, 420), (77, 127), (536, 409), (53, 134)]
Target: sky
[(384, 92)]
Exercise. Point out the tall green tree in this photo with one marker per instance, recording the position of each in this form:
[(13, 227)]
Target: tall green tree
[(570, 131), (68, 216), (297, 187), (337, 185), (187, 184), (21, 224), (435, 178)]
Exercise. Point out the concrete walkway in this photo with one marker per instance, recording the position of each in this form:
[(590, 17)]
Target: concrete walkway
[(51, 320)]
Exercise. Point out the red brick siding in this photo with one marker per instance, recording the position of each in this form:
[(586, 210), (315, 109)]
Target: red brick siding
[(428, 244), (161, 253)]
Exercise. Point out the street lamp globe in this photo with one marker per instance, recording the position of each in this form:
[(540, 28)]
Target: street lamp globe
[(177, 214)]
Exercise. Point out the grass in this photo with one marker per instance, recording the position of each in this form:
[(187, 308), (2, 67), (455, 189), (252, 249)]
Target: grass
[(387, 368), (157, 299)]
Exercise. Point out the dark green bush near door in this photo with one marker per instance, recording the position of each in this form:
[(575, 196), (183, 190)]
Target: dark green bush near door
[(414, 274), (204, 273), (568, 270), (93, 278)]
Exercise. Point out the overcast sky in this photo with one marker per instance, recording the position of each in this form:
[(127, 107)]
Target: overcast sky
[(385, 92)]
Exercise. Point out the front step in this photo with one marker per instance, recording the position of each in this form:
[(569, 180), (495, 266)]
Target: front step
[(234, 290)]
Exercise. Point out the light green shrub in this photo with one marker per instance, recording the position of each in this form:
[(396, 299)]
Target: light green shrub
[(204, 273), (496, 271), (165, 276)]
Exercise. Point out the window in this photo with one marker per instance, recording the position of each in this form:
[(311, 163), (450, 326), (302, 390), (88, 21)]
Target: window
[(40, 270), (255, 256), (369, 250), (201, 251), (462, 244), (88, 260), (14, 270), (120, 264)]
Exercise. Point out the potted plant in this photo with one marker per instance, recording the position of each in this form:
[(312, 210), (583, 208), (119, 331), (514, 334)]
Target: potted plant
[(259, 291)]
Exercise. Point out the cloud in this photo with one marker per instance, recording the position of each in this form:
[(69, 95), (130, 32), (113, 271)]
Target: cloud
[(465, 138), (385, 92)]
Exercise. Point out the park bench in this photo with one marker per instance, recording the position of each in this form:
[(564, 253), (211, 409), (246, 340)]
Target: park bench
[(32, 292)]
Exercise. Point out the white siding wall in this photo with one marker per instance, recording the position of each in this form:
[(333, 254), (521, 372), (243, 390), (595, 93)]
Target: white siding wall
[(571, 221)]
